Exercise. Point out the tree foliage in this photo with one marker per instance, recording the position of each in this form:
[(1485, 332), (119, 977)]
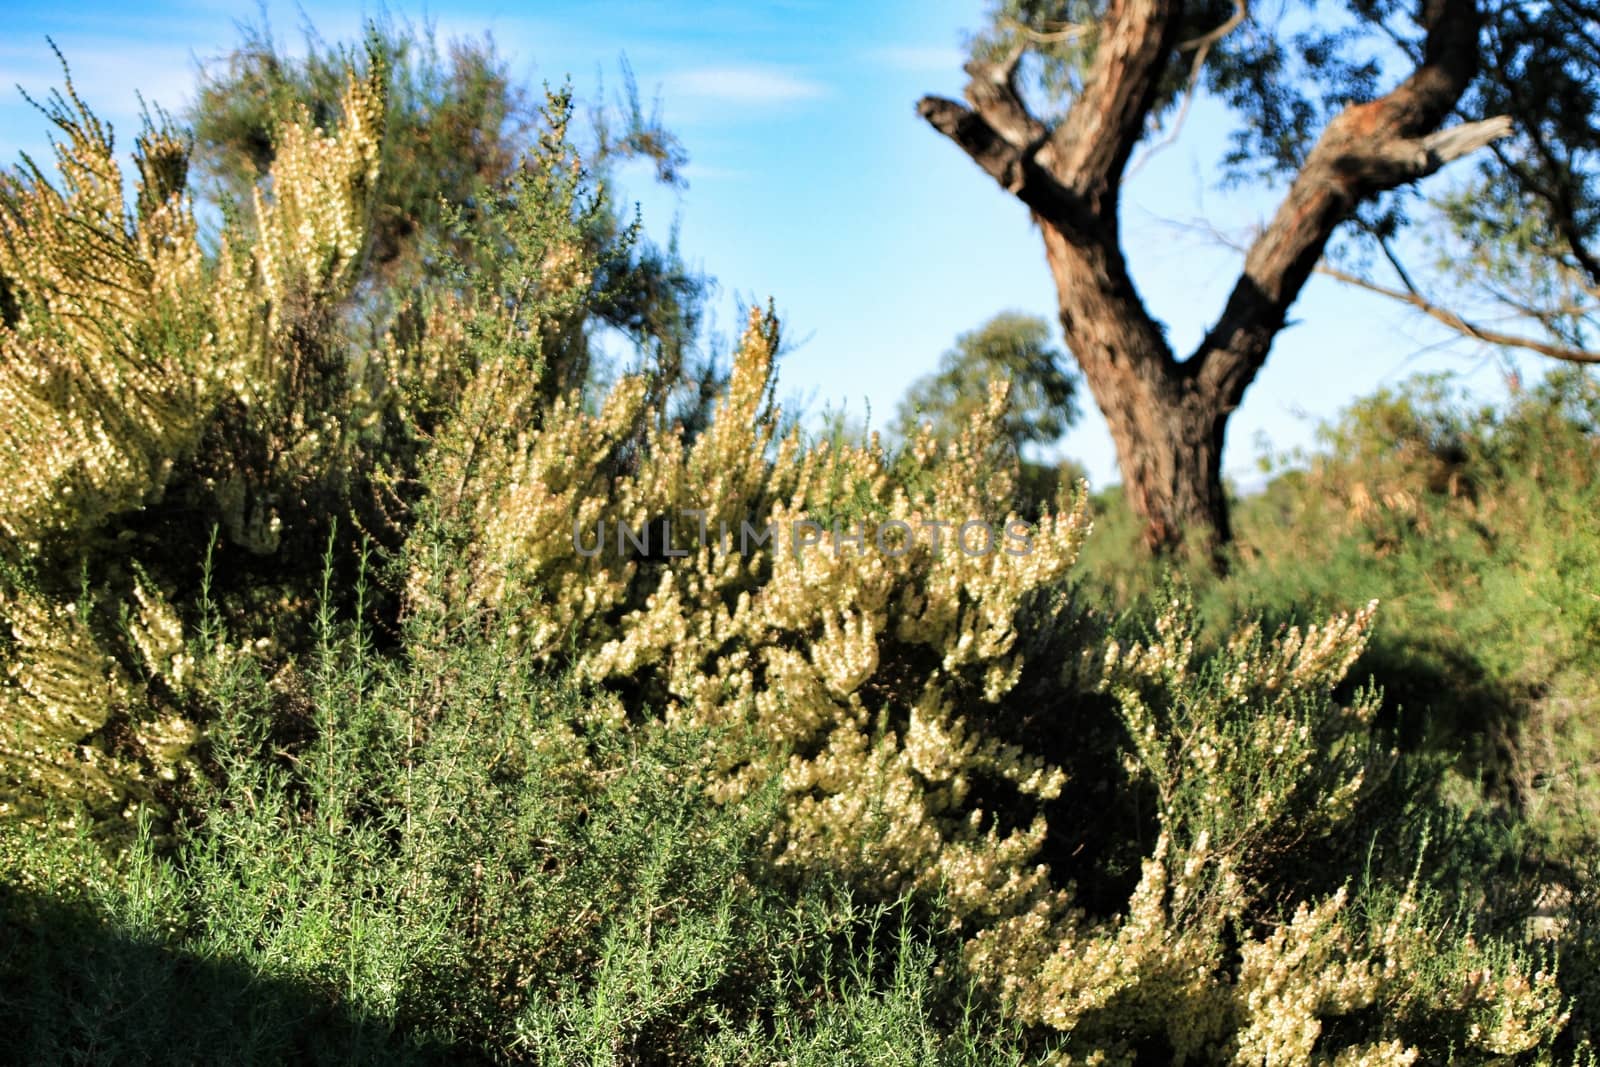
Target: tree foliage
[(1013, 348), (1526, 226), (458, 128)]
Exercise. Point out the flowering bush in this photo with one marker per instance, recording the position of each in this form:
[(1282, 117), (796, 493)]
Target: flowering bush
[(126, 341), (821, 677), (134, 366), (883, 685), (1248, 759)]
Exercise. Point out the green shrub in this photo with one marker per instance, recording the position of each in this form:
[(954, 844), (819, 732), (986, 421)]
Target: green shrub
[(448, 853), (513, 800)]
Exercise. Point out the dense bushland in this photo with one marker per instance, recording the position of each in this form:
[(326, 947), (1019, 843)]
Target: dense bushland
[(1475, 527), (332, 733)]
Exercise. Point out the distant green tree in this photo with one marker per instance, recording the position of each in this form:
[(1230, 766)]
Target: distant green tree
[(1013, 347), (1017, 348)]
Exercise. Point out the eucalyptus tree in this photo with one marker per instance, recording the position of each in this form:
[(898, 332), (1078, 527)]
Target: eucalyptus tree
[(1345, 105)]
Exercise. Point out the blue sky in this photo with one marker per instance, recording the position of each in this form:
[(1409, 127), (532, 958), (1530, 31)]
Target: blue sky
[(812, 181)]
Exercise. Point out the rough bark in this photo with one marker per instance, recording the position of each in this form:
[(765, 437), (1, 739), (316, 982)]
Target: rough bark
[(1167, 417), (1168, 432)]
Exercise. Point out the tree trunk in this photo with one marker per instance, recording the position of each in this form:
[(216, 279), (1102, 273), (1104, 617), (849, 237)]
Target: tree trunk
[(1167, 426), (1169, 450), (1168, 417)]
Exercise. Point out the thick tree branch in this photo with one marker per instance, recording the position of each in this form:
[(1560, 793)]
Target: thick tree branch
[(1367, 149), (1011, 165), (1084, 156), (1412, 298), (1089, 149), (998, 157), (992, 92)]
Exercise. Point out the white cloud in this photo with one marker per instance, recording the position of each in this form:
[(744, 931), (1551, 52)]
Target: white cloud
[(742, 85)]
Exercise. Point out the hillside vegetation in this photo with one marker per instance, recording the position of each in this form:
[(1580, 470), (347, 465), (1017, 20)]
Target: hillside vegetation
[(330, 738)]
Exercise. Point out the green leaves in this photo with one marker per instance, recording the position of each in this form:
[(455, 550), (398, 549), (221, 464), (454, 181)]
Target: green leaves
[(1010, 347)]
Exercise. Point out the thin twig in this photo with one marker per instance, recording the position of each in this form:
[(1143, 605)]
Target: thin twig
[(1459, 324), (1064, 32)]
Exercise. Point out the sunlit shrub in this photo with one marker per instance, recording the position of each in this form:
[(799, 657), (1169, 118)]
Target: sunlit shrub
[(142, 377), (1249, 760), (557, 814), (127, 340), (881, 684)]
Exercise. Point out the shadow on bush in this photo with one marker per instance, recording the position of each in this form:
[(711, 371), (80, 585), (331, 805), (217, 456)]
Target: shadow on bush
[(1438, 697), (75, 988)]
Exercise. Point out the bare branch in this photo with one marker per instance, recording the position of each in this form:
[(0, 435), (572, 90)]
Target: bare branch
[(1009, 164), (1407, 160), (992, 92), (998, 156), (1203, 43), (1414, 299), (1055, 33), (1394, 261)]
